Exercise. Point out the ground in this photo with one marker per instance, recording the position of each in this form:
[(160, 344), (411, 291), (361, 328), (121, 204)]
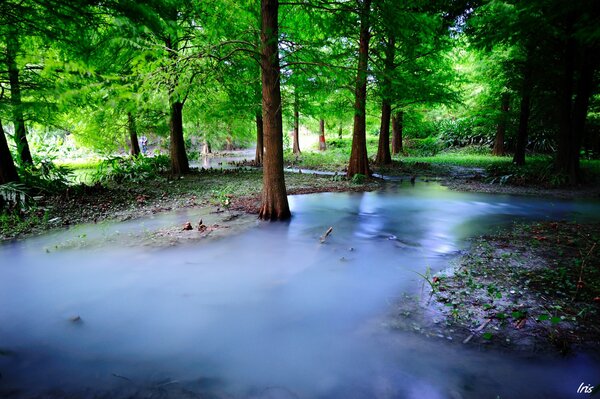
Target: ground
[(518, 289), (533, 287)]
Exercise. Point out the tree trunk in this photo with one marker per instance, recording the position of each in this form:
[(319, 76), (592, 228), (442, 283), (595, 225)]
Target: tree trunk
[(397, 125), (565, 141), (498, 149), (206, 147), (383, 149), (522, 133), (340, 132), (179, 160), (135, 145), (359, 162), (12, 49), (274, 204), (8, 171), (258, 157), (296, 145), (322, 144), (228, 143), (576, 129)]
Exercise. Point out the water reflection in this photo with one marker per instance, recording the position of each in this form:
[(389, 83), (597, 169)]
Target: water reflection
[(268, 313)]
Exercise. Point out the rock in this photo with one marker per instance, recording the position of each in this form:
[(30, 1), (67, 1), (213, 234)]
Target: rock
[(75, 319)]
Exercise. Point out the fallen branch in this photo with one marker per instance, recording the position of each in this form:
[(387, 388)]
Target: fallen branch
[(324, 236)]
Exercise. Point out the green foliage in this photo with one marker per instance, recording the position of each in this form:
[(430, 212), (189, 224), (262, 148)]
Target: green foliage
[(130, 169), (45, 176), (12, 196), (426, 147)]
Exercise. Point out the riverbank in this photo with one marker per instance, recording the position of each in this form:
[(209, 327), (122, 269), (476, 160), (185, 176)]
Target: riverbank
[(227, 192), (531, 288)]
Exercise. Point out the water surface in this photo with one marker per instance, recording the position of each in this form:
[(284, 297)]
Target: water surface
[(269, 312)]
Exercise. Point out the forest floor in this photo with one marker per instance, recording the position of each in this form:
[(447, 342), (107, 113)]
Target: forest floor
[(530, 288), (227, 193)]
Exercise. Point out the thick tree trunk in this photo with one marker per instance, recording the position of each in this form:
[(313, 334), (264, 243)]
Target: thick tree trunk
[(383, 149), (565, 141), (274, 204), (296, 145), (133, 138), (522, 133), (8, 171), (12, 49), (359, 162), (322, 144), (179, 160), (258, 157), (397, 126), (572, 132), (498, 149)]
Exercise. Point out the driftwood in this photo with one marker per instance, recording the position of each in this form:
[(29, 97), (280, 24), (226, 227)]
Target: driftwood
[(478, 329), (324, 236)]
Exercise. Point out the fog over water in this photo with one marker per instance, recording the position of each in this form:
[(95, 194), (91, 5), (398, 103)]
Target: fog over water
[(269, 312)]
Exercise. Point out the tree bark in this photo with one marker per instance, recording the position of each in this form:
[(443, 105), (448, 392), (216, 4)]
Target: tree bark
[(574, 113), (498, 149), (8, 171), (12, 49), (133, 138), (179, 159), (359, 162), (258, 157), (383, 150), (296, 145), (274, 204), (322, 144), (397, 125), (522, 133)]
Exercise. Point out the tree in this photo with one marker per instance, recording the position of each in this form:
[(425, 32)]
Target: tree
[(8, 171), (498, 148), (359, 163), (274, 204)]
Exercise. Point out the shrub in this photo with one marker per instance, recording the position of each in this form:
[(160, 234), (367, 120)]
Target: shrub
[(131, 169)]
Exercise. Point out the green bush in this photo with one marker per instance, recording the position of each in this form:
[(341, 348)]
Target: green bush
[(426, 147), (131, 169)]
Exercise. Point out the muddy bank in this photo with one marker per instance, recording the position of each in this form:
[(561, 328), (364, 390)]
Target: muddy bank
[(211, 191), (528, 288)]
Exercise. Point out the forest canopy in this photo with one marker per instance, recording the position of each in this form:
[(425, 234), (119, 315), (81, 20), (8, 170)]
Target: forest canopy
[(504, 77)]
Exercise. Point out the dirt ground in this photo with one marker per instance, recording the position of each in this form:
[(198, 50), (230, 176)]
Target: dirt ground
[(532, 287)]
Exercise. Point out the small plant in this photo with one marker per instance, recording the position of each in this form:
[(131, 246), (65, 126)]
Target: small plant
[(131, 169), (358, 179)]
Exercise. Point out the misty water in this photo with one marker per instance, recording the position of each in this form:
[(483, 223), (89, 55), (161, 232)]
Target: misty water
[(269, 312)]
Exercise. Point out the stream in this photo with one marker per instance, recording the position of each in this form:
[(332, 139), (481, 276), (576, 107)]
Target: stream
[(269, 312)]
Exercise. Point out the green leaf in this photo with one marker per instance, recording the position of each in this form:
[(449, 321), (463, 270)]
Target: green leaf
[(487, 335), (543, 317), (555, 320)]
